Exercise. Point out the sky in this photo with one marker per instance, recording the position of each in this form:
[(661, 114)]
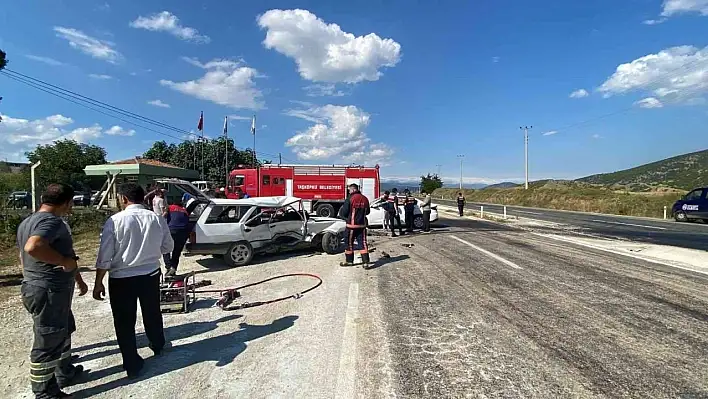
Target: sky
[(408, 85)]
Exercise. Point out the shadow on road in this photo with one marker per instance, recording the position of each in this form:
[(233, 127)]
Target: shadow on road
[(221, 349), (9, 280), (385, 261)]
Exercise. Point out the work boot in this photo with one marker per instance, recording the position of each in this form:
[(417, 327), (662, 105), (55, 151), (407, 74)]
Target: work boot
[(57, 395), (346, 264), (365, 261), (394, 235)]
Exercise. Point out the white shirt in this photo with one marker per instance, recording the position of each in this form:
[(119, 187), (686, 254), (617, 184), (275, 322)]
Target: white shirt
[(132, 243), (159, 205)]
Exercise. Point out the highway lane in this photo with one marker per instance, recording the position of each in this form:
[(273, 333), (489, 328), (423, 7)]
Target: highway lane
[(478, 309), (685, 235)]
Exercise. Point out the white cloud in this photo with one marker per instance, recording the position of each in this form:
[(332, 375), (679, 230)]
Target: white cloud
[(338, 134), (323, 90), (96, 48), (100, 77), (649, 102), (159, 103), (240, 118), (495, 59), (18, 135), (550, 133), (168, 22), (325, 53), (226, 82), (596, 136), (580, 93), (119, 131), (654, 21), (674, 74), (46, 60), (673, 7)]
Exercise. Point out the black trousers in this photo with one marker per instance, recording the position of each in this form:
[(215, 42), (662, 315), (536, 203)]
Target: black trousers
[(180, 238), (125, 294), (461, 208), (409, 219), (395, 216), (426, 220), (53, 324)]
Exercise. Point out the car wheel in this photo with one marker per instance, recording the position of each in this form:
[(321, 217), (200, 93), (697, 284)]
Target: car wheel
[(418, 221), (331, 243), (325, 211), (239, 254), (680, 216)]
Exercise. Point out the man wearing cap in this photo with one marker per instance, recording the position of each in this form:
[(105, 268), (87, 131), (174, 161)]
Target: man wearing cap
[(354, 211)]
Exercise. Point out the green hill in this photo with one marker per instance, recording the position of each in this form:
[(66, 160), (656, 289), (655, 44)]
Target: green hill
[(683, 172)]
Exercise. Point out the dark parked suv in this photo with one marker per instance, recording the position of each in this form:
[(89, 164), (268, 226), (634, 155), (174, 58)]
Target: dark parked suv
[(692, 206)]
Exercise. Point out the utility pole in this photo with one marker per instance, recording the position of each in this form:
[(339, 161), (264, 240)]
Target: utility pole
[(439, 166), (202, 154), (280, 159), (526, 152), (461, 158)]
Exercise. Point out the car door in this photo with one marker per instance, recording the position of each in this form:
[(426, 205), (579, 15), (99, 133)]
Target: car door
[(256, 226), (221, 224), (694, 204), (286, 226), (376, 215)]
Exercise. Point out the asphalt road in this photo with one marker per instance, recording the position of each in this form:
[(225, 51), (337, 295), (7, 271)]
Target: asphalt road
[(481, 310), (685, 235)]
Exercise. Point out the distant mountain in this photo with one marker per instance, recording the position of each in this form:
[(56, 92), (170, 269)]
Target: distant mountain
[(684, 172), (506, 184), (471, 186)]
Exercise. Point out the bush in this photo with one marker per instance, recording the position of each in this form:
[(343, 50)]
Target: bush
[(86, 221)]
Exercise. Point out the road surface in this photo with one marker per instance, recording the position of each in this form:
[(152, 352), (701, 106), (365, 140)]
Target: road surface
[(685, 235), (483, 310), (473, 310)]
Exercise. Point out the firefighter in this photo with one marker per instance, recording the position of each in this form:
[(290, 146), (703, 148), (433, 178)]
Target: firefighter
[(409, 206), (354, 211), (395, 215), (49, 269)]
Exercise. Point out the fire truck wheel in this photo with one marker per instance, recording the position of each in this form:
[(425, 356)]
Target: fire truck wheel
[(331, 243), (240, 254), (325, 211)]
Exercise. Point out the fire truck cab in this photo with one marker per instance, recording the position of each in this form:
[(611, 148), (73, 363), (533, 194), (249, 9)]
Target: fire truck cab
[(323, 188)]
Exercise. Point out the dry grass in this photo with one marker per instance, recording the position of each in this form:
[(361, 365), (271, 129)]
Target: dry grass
[(572, 197), (85, 245)]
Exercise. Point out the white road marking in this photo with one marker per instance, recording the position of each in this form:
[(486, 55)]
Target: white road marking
[(629, 224), (491, 255), (617, 252), (346, 378), (530, 213)]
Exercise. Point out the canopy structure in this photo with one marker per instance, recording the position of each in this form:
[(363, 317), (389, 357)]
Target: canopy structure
[(137, 170)]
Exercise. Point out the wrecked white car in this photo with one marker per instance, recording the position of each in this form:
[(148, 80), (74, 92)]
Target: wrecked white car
[(239, 229)]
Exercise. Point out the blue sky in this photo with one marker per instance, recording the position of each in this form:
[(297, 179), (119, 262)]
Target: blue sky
[(605, 84)]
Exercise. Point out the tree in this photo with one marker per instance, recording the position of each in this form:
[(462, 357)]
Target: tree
[(3, 60), (430, 183), (64, 161), (188, 155)]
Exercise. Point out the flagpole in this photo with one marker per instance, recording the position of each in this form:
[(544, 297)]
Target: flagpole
[(253, 131), (226, 154)]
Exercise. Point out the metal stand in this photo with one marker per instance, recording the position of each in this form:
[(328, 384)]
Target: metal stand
[(177, 292)]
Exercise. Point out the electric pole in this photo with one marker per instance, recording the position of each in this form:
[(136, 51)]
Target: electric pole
[(526, 152), (461, 158), (439, 166)]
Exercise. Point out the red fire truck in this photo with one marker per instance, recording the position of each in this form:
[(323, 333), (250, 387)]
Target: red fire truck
[(323, 188)]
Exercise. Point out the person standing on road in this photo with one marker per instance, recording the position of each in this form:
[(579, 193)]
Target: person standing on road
[(178, 223), (49, 270), (354, 211), (132, 243), (461, 203), (426, 211), (159, 205), (397, 212), (409, 207), (386, 207)]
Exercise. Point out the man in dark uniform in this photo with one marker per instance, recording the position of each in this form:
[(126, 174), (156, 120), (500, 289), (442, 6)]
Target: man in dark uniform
[(394, 213), (460, 203), (409, 207), (49, 269), (354, 211)]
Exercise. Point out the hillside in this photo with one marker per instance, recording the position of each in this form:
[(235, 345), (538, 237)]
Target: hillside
[(683, 172)]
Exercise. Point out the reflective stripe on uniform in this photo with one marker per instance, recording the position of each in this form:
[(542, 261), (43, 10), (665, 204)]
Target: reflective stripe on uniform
[(50, 364)]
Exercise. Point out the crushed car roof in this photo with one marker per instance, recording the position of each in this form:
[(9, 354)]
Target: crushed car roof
[(270, 202)]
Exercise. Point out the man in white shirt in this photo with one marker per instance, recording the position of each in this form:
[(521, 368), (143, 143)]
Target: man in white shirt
[(159, 205), (132, 244)]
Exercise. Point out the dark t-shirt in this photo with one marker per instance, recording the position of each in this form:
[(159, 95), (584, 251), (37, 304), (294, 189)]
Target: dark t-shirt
[(53, 229)]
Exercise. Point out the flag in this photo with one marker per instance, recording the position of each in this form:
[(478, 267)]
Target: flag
[(253, 125), (226, 126), (200, 125)]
